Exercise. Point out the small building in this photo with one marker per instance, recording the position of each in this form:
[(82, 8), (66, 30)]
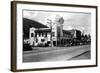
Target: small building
[(39, 37)]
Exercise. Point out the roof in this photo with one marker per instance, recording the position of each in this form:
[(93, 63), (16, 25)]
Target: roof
[(31, 23), (74, 30), (42, 30), (66, 32)]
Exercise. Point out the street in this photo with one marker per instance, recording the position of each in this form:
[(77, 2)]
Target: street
[(41, 54)]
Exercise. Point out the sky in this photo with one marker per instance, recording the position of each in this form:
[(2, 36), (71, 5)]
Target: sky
[(72, 20)]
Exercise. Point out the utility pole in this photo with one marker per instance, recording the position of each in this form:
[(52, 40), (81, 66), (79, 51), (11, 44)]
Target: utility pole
[(50, 22)]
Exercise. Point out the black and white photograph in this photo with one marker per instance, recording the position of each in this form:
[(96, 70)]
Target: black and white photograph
[(53, 36), (56, 36)]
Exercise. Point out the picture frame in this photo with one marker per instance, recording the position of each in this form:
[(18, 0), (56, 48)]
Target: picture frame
[(40, 41)]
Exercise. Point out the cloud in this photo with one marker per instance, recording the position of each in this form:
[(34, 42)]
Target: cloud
[(70, 19), (67, 27), (30, 14)]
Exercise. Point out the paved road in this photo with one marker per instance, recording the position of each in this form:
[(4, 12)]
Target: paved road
[(83, 56), (57, 54)]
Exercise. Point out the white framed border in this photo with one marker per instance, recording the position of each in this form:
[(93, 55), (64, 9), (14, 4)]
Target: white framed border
[(38, 65)]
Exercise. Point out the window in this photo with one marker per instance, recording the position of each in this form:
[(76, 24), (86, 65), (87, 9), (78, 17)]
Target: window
[(58, 34), (42, 40), (53, 33), (42, 34), (45, 34), (36, 35), (39, 34), (36, 40), (32, 34)]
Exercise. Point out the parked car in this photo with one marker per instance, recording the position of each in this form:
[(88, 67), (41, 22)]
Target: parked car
[(68, 44), (27, 47)]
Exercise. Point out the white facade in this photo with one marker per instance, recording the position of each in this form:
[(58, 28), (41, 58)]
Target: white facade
[(32, 35), (38, 38)]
